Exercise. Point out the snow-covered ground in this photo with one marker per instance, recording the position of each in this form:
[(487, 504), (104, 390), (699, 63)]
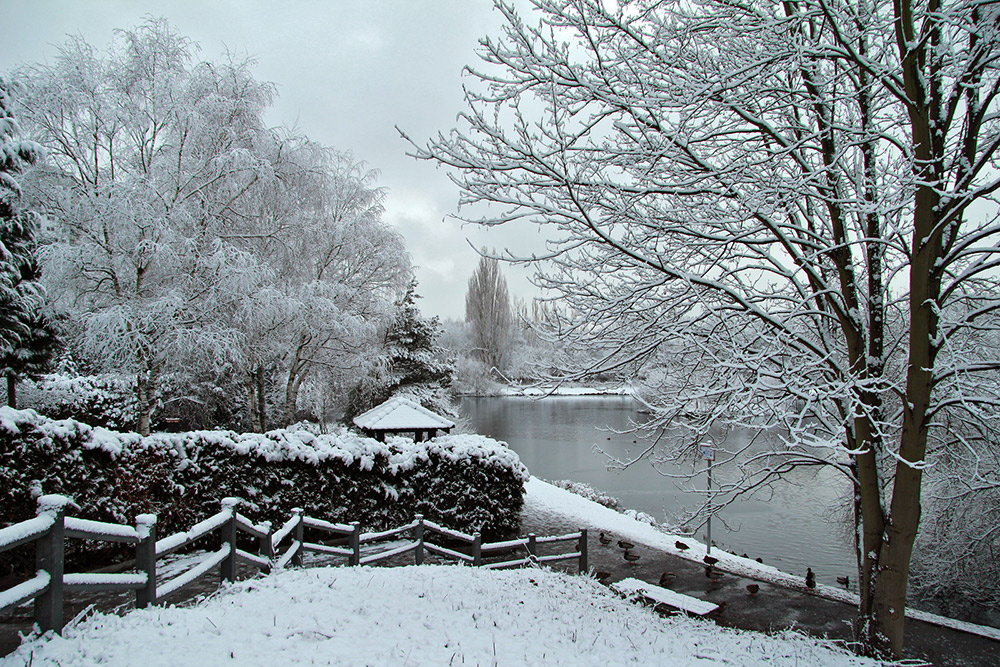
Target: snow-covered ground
[(434, 615), (429, 615)]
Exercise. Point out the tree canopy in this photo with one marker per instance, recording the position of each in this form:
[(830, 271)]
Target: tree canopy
[(194, 239), (786, 209), (488, 313)]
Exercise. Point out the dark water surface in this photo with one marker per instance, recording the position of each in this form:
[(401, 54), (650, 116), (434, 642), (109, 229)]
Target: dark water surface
[(795, 526)]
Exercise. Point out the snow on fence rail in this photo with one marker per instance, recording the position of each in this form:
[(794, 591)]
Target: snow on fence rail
[(51, 526)]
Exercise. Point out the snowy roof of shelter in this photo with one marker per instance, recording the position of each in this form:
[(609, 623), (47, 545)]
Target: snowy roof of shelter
[(401, 414)]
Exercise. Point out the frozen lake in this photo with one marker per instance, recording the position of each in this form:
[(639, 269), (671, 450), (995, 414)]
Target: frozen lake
[(794, 526)]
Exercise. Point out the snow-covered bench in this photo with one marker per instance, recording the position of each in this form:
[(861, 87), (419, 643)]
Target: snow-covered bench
[(635, 588)]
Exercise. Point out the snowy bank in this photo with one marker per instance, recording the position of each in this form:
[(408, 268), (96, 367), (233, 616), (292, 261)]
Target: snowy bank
[(542, 496), (539, 391), (563, 390), (428, 615)]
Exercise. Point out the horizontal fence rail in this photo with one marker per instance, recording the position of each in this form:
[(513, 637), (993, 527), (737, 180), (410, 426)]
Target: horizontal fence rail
[(275, 550)]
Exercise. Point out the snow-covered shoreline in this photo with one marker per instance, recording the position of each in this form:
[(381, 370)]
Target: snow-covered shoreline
[(540, 391), (590, 514)]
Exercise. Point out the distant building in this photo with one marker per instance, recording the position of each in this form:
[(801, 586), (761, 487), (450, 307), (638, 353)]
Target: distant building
[(50, 230)]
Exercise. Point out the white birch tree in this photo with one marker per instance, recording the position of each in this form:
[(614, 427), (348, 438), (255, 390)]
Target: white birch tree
[(789, 203), (150, 159), (197, 236), (341, 266)]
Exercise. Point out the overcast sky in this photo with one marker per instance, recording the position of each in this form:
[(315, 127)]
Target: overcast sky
[(346, 73)]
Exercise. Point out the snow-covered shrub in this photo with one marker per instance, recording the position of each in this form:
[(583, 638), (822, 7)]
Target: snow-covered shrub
[(641, 517), (99, 400), (589, 492), (337, 477), (468, 483), (472, 378)]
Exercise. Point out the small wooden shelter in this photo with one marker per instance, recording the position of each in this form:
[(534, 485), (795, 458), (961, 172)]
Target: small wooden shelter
[(402, 415)]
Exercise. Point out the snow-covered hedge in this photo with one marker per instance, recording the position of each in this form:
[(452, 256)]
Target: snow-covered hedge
[(108, 400), (467, 483), (446, 476)]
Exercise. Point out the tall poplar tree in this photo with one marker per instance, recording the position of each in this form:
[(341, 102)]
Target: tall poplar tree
[(488, 313)]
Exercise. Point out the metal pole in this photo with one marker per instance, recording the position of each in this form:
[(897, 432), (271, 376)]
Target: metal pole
[(708, 465)]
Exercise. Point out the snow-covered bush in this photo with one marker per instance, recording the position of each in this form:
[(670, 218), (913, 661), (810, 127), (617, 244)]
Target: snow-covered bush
[(472, 378), (468, 483), (589, 492), (99, 400)]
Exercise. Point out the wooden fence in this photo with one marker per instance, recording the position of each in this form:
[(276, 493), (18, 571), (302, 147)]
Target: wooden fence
[(51, 527)]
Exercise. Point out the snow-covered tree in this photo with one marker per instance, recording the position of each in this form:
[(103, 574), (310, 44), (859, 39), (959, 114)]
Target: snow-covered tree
[(955, 563), (340, 268), (411, 363), (197, 237), (148, 160), (35, 354), (788, 206), (27, 336), (488, 313)]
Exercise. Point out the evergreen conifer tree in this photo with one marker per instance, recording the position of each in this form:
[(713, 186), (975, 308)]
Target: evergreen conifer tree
[(28, 338), (411, 364)]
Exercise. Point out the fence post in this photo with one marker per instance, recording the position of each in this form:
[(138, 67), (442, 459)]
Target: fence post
[(265, 547), (228, 569), (145, 559), (418, 535), (477, 549), (583, 551), (299, 535), (355, 539), (532, 547), (49, 551)]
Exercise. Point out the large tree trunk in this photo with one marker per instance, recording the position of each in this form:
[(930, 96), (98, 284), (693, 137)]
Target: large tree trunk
[(903, 519), (292, 395), (297, 371), (869, 503), (261, 399), (904, 512), (257, 400), (143, 392)]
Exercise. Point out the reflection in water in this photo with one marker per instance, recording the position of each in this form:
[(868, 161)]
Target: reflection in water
[(796, 525)]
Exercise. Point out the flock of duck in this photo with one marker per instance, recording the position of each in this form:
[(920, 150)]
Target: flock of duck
[(711, 572)]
